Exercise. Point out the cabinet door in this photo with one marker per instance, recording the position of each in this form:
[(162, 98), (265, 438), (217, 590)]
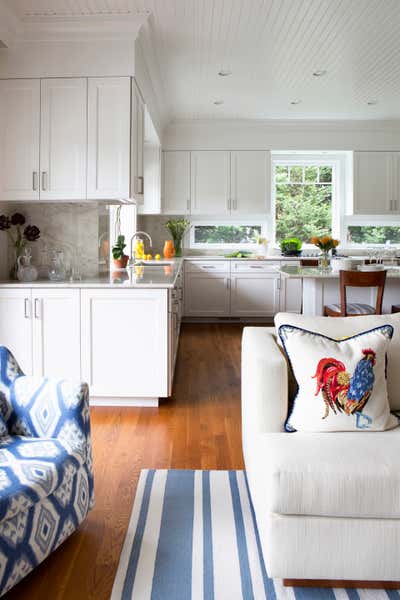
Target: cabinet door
[(125, 342), (373, 183), (254, 295), (291, 295), (19, 139), (63, 142), (109, 119), (16, 325), (176, 183), (207, 296), (250, 182), (137, 145), (56, 333), (210, 183)]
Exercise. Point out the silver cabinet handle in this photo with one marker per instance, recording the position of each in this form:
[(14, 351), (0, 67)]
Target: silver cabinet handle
[(188, 204), (140, 180), (234, 204), (256, 267), (229, 204), (37, 308), (34, 181), (44, 180), (208, 267), (27, 306), (228, 283)]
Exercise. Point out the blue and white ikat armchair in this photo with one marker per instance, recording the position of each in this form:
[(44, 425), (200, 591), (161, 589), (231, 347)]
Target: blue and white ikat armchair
[(46, 475)]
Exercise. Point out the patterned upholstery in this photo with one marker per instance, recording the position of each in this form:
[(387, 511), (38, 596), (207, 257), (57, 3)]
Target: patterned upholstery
[(46, 475), (353, 308)]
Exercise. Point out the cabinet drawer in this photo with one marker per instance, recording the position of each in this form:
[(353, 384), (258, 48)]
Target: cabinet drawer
[(207, 266), (254, 266)]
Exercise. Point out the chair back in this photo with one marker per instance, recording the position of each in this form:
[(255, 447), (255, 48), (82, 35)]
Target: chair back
[(309, 262), (361, 279)]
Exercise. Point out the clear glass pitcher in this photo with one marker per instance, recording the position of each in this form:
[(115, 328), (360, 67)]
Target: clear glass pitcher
[(57, 269), (26, 271)]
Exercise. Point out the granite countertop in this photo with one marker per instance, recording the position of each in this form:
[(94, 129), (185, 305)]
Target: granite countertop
[(160, 276), (295, 271)]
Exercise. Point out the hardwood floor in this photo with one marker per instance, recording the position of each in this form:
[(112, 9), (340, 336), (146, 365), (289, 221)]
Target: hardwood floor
[(198, 428)]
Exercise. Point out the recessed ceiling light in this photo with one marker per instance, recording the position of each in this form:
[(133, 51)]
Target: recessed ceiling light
[(294, 102), (224, 73), (372, 102), (218, 102), (319, 73)]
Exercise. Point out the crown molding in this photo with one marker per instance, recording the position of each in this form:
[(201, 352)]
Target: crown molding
[(294, 124)]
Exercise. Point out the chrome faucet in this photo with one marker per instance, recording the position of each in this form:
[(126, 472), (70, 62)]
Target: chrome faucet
[(138, 234)]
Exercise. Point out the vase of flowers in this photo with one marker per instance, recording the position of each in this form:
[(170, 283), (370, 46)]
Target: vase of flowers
[(177, 228), (325, 244), (19, 236)]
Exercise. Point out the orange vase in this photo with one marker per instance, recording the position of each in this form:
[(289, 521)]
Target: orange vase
[(169, 250)]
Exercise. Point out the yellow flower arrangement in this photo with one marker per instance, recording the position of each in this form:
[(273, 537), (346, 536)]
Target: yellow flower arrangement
[(325, 243)]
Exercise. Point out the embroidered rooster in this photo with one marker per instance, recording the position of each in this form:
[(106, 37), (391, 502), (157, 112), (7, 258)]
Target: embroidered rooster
[(341, 391)]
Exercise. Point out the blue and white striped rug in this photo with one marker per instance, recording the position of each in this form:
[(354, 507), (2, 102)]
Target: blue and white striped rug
[(192, 536)]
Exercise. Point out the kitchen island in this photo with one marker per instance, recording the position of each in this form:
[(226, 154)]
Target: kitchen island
[(321, 287), (118, 333)]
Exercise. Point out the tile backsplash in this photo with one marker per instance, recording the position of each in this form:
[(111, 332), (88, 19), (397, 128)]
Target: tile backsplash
[(78, 230)]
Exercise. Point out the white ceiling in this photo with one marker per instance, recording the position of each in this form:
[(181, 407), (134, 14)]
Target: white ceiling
[(272, 48)]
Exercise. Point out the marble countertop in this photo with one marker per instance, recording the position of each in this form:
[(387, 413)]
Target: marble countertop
[(160, 276), (295, 271)]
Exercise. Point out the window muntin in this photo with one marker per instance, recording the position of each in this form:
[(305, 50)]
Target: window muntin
[(303, 200), (220, 235)]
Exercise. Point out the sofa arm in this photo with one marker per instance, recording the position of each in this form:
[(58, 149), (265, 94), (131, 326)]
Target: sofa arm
[(264, 382), (52, 408)]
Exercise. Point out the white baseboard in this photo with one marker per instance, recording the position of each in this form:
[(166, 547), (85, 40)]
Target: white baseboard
[(112, 401)]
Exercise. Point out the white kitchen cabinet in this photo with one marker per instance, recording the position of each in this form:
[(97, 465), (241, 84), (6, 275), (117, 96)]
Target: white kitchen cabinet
[(124, 340), (137, 145), (16, 325), (250, 182), (56, 333), (63, 140), (291, 295), (109, 113), (376, 183), (176, 182), (254, 294), (210, 182), (19, 139), (207, 294)]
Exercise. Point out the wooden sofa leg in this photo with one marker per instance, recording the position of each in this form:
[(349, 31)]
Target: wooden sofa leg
[(336, 583)]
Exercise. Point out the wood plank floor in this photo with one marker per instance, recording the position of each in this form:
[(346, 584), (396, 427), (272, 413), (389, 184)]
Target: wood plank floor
[(198, 428)]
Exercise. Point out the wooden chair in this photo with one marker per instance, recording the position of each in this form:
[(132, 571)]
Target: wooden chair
[(357, 279), (309, 262)]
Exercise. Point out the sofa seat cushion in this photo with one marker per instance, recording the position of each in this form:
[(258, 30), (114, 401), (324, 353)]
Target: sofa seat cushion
[(31, 469), (326, 474)]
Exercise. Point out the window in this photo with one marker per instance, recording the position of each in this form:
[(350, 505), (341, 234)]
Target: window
[(303, 199), (224, 235), (371, 234)]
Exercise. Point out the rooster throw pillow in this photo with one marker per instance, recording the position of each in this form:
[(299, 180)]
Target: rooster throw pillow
[(341, 383)]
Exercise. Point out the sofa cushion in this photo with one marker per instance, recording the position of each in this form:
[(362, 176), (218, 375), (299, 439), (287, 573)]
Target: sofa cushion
[(342, 383), (339, 327), (32, 469), (318, 474)]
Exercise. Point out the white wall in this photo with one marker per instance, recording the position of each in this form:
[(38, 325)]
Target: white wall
[(282, 135), (96, 58)]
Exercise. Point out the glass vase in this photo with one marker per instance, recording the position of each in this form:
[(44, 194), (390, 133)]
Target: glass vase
[(324, 261), (178, 244), (18, 251)]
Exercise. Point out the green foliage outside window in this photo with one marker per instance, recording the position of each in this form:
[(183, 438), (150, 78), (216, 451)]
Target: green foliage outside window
[(365, 234), (303, 201), (226, 234)]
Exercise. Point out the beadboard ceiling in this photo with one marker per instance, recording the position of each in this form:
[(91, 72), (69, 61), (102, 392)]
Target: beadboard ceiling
[(272, 48)]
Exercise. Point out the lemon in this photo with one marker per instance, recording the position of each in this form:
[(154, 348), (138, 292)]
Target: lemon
[(157, 256)]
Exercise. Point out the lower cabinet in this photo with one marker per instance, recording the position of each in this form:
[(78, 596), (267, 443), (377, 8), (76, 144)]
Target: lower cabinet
[(125, 342), (41, 327), (291, 295), (254, 295), (207, 295)]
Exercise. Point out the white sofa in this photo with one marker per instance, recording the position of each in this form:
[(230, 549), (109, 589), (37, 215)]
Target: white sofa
[(327, 505)]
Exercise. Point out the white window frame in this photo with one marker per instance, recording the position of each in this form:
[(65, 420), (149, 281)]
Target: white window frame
[(366, 221), (340, 173), (261, 221)]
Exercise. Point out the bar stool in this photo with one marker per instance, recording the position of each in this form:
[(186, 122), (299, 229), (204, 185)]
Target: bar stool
[(309, 262), (395, 308), (357, 279)]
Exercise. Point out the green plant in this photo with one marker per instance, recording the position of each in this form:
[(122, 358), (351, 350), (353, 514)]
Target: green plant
[(291, 245), (119, 247), (177, 229)]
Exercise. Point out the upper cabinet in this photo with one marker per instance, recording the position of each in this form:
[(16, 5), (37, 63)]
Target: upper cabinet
[(109, 112), (212, 182), (176, 182), (376, 183), (137, 146), (19, 139), (250, 182), (63, 139)]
